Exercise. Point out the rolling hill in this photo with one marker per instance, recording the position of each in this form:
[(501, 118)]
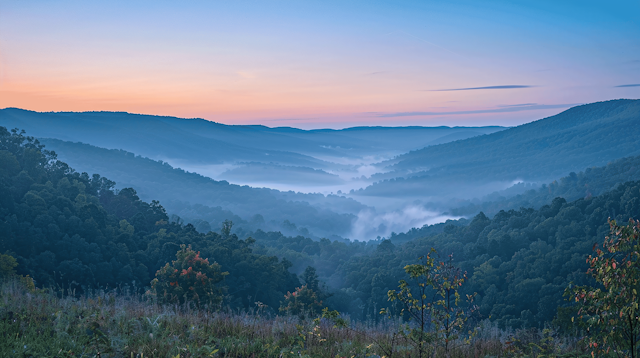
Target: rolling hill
[(180, 192), (540, 151)]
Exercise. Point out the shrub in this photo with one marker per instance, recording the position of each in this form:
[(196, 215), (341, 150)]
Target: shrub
[(189, 278), (303, 302), (611, 308), (7, 265)]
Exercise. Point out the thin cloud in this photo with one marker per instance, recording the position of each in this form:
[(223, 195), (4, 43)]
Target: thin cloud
[(495, 110), (375, 73), (482, 88), (631, 85), (517, 105), (288, 119)]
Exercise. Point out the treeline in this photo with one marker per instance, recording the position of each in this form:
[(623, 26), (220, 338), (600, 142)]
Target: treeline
[(70, 230)]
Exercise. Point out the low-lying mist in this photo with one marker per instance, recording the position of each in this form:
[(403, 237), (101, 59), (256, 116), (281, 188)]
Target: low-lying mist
[(371, 224), (380, 216), (342, 177), (357, 183)]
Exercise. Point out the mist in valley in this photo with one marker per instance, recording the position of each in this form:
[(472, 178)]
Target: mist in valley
[(342, 177), (362, 183), (261, 178), (309, 181)]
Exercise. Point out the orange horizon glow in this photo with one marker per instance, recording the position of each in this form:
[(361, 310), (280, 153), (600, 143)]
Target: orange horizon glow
[(302, 66)]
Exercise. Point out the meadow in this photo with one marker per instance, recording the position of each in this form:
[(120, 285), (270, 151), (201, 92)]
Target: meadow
[(52, 323)]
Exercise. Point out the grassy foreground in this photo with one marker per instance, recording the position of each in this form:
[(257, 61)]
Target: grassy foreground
[(38, 323)]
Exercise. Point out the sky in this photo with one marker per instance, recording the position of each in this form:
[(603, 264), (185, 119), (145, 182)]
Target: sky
[(320, 64)]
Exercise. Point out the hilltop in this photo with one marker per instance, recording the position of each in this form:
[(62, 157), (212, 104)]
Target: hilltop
[(540, 151)]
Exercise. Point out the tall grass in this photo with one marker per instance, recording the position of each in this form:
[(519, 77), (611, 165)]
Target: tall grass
[(45, 323)]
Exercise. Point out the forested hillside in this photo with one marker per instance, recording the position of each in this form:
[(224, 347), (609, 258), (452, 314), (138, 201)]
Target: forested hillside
[(519, 261), (196, 197), (74, 231), (199, 140), (329, 184), (592, 181), (580, 137)]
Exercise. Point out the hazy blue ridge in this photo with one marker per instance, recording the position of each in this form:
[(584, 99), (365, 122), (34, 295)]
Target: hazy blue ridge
[(583, 136), (199, 140), (590, 182), (177, 189)]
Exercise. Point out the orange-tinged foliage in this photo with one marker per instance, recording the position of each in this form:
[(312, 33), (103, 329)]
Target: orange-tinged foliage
[(189, 278), (611, 310)]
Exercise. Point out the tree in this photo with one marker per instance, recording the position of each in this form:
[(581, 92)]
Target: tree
[(226, 229), (310, 278), (611, 308), (7, 265), (189, 278), (303, 302), (439, 318), (307, 299)]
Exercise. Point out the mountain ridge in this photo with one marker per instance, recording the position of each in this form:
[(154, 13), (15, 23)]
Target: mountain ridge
[(582, 136)]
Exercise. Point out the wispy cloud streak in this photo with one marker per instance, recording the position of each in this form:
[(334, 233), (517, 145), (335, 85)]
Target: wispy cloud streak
[(480, 111), (482, 88), (631, 85), (517, 105), (376, 73)]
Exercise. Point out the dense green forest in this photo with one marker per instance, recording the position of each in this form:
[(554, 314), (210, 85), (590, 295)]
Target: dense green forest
[(70, 230), (519, 261), (74, 231)]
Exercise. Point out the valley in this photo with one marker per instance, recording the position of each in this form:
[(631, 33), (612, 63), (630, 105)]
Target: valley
[(83, 217)]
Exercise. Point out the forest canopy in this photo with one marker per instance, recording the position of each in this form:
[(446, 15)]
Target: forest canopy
[(72, 230)]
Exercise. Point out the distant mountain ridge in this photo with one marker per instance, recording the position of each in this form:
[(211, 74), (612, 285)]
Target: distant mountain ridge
[(580, 137), (414, 187), (199, 140), (151, 136), (323, 158)]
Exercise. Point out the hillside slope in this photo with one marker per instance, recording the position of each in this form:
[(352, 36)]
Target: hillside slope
[(323, 160), (179, 190), (583, 136), (199, 140), (592, 181)]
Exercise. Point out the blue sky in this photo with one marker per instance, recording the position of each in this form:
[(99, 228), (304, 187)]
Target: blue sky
[(319, 64)]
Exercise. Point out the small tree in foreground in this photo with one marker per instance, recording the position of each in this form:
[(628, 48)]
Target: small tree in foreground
[(189, 278), (611, 310), (303, 302), (7, 265), (433, 303)]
